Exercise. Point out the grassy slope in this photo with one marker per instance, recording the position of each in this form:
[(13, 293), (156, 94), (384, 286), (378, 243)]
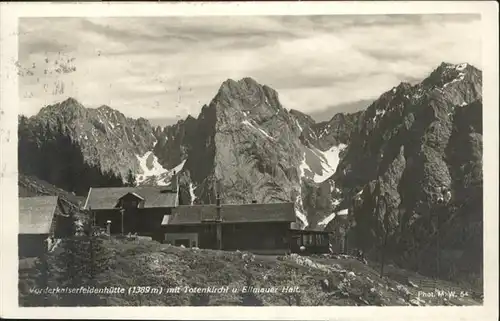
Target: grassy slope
[(148, 263)]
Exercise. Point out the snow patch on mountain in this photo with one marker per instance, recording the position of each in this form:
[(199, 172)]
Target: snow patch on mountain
[(298, 125), (458, 67), (246, 122), (179, 167), (305, 169), (150, 166), (330, 161), (379, 113), (461, 68), (327, 219), (333, 156), (318, 165), (460, 77), (299, 211), (162, 179), (191, 193), (344, 211)]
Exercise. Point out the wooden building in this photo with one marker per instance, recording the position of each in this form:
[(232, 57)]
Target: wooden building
[(309, 241), (258, 228), (131, 209), (42, 219), (157, 211)]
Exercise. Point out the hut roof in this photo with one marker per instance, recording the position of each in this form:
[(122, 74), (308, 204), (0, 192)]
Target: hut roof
[(36, 214), (107, 197), (233, 213)]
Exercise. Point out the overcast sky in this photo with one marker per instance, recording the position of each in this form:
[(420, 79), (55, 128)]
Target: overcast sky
[(169, 67)]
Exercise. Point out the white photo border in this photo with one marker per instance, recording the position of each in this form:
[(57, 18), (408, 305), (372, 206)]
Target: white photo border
[(11, 12)]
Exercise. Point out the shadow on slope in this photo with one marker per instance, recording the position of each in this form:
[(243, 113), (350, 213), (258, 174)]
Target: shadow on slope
[(51, 155)]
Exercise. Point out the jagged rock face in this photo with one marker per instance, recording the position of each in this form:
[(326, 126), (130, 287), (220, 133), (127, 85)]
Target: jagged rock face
[(174, 141), (337, 130), (408, 144), (303, 121), (245, 144), (106, 137)]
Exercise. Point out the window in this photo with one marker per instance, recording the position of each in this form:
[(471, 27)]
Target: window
[(308, 239)]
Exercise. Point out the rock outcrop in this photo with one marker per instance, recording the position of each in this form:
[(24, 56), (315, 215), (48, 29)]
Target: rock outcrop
[(409, 144), (106, 137)]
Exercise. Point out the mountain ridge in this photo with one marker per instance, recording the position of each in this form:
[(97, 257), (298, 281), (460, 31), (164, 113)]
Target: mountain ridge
[(247, 146)]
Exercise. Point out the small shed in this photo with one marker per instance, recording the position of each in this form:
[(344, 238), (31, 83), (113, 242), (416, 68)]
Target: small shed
[(42, 219)]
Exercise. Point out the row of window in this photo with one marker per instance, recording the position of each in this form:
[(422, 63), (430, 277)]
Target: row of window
[(312, 239)]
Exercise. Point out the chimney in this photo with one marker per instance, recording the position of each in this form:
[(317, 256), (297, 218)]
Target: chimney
[(174, 181)]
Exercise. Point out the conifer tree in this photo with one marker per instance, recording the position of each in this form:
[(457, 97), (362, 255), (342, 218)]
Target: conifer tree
[(131, 180)]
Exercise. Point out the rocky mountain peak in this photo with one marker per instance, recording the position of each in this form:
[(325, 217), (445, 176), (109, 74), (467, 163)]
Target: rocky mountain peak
[(106, 108), (405, 149), (245, 102), (447, 73), (106, 137), (69, 108), (303, 121), (403, 86), (249, 82), (143, 122), (247, 90), (70, 101)]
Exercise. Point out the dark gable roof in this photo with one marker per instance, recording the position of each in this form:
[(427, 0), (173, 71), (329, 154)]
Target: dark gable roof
[(135, 195), (36, 214), (107, 197), (233, 213)]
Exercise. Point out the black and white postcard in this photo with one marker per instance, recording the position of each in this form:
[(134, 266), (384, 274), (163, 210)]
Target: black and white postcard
[(253, 160)]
